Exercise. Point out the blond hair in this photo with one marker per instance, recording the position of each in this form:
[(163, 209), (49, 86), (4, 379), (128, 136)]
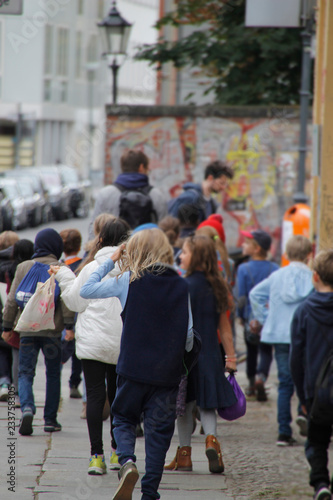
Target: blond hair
[(8, 239), (298, 248), (219, 245), (146, 249)]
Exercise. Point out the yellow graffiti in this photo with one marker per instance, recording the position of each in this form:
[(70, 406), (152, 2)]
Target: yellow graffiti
[(244, 155)]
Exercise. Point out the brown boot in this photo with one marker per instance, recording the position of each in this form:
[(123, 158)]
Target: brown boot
[(214, 454), (182, 460)]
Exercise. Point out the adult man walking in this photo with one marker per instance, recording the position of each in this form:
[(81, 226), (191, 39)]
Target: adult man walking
[(217, 175), (131, 197)]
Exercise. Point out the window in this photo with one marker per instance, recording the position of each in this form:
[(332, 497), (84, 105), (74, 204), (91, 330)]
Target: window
[(78, 55), (92, 49), (100, 9), (47, 90), (48, 49), (62, 57), (80, 7), (63, 91)]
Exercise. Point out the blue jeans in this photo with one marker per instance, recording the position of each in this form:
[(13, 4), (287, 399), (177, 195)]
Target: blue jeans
[(158, 405), (68, 351), (286, 388), (29, 350)]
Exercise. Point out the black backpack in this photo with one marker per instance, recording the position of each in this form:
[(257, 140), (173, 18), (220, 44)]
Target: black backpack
[(322, 406), (136, 206)]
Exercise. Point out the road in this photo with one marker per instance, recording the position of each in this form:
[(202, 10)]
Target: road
[(79, 224)]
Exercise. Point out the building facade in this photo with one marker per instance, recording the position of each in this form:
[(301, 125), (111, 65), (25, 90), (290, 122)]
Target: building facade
[(54, 83)]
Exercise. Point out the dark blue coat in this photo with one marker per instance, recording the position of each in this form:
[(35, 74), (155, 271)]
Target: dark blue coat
[(312, 323), (212, 390), (155, 329)]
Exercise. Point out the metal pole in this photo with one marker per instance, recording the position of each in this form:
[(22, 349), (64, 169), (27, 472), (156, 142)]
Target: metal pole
[(300, 196), (18, 135), (114, 68), (90, 119)]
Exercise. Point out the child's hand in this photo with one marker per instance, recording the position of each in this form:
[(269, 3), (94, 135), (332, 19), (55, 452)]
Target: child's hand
[(69, 335), (230, 366), (53, 270), (118, 253), (7, 335)]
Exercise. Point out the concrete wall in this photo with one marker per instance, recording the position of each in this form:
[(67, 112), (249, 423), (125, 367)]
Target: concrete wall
[(260, 143)]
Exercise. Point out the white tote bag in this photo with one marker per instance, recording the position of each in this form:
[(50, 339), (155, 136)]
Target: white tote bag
[(38, 314)]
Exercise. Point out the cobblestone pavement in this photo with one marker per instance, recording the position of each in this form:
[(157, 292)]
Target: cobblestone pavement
[(55, 466), (255, 468)]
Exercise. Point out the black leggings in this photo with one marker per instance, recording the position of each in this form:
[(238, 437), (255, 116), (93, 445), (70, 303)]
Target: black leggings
[(95, 373)]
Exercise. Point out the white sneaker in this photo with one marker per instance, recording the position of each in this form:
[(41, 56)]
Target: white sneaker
[(4, 392)]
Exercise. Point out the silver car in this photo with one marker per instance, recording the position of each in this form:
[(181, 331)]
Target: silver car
[(10, 190)]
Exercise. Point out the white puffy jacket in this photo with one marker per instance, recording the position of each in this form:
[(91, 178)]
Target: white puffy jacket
[(99, 325)]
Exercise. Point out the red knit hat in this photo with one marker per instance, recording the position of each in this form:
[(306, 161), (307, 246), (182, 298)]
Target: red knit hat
[(215, 221)]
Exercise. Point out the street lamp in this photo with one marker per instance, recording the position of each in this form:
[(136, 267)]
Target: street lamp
[(115, 31)]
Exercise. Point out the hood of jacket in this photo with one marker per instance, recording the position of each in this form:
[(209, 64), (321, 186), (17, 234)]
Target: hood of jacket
[(132, 180), (192, 185), (104, 254), (295, 283), (320, 307)]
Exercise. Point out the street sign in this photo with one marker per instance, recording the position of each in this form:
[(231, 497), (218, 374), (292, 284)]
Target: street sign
[(13, 7), (273, 13)]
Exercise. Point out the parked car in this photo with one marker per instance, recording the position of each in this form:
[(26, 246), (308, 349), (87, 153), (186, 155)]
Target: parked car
[(79, 191), (33, 177), (6, 213), (58, 195), (10, 190)]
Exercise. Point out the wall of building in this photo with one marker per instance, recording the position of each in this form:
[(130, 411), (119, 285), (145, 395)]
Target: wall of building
[(52, 72), (260, 143)]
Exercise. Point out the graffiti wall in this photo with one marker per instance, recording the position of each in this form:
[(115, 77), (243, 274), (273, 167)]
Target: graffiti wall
[(263, 152)]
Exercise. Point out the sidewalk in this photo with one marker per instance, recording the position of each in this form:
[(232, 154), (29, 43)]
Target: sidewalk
[(54, 466)]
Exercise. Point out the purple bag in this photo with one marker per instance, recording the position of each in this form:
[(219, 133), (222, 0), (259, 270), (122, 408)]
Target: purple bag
[(238, 409)]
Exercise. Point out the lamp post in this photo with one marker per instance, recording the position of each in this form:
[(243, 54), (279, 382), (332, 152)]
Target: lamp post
[(114, 31)]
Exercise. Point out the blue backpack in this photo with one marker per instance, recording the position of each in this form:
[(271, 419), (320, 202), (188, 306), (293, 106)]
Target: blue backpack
[(37, 274)]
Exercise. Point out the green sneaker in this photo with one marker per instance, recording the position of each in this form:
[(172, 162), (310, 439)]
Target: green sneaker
[(114, 464), (97, 466)]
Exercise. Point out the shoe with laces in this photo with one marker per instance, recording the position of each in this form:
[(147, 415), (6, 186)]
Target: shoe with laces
[(128, 476), (25, 428), (97, 466), (114, 464), (52, 426), (323, 492), (4, 392), (284, 440)]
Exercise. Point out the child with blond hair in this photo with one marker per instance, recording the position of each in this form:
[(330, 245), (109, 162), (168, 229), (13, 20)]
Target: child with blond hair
[(311, 345), (274, 302), (157, 329)]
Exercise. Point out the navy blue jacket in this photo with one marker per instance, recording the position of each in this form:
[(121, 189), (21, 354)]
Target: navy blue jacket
[(312, 323), (155, 320), (192, 195)]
